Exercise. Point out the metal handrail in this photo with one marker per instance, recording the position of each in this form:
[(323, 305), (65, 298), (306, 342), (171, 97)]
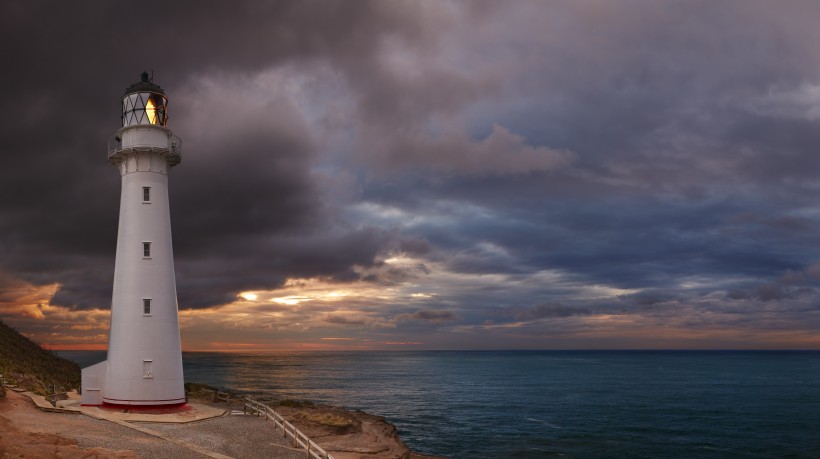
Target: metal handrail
[(299, 438), (175, 145), (114, 139), (220, 396)]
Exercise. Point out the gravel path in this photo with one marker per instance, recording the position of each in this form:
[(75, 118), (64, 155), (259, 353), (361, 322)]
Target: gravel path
[(236, 436), (106, 434), (87, 431)]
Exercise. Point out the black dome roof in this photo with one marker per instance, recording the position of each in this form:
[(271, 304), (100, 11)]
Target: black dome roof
[(144, 85)]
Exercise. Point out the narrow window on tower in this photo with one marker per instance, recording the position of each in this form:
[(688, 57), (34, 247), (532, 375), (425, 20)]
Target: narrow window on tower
[(146, 194), (146, 369), (146, 250), (146, 306)]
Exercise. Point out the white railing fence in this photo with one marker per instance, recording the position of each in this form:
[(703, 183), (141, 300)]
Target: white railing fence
[(222, 397), (288, 430)]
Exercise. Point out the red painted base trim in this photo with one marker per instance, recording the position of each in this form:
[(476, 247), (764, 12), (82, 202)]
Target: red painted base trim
[(167, 401), (149, 409)]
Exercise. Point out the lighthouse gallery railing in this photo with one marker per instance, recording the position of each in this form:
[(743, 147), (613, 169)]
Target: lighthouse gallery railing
[(174, 147)]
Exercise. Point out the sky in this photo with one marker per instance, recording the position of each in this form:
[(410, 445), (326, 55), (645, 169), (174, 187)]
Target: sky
[(576, 174)]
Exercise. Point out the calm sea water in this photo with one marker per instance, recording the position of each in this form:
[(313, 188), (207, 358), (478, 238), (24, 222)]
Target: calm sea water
[(533, 404)]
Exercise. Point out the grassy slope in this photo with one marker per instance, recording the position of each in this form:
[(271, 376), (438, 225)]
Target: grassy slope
[(29, 365)]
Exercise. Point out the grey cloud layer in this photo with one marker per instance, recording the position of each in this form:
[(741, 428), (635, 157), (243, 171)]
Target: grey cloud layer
[(669, 148)]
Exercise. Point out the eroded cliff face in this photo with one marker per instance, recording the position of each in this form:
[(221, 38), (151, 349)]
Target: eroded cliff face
[(348, 434)]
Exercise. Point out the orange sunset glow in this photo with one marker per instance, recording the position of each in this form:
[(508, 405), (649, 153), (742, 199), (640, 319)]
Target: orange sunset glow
[(446, 177), (312, 314)]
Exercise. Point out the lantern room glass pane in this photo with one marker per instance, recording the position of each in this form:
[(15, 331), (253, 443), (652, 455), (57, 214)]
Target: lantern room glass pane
[(128, 102), (144, 108)]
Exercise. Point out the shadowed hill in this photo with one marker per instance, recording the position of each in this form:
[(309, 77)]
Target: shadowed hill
[(28, 365)]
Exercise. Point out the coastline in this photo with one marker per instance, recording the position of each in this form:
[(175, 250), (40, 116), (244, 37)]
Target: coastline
[(26, 431)]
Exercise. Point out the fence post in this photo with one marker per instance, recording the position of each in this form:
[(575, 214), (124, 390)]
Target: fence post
[(261, 409)]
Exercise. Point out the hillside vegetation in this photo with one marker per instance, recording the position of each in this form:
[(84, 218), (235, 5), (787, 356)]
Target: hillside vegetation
[(24, 363)]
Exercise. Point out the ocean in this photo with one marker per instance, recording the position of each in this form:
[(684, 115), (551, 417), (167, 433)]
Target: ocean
[(539, 404)]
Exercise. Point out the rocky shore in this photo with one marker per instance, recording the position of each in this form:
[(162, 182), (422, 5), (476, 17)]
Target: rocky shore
[(348, 434)]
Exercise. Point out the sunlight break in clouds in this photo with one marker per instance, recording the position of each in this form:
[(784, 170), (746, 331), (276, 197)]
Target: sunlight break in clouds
[(28, 309), (529, 174), (20, 297)]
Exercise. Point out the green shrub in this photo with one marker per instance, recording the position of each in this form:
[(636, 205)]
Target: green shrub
[(193, 387), (328, 420), (294, 403), (24, 363)]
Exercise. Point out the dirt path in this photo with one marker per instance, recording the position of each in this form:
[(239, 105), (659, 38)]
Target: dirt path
[(27, 432)]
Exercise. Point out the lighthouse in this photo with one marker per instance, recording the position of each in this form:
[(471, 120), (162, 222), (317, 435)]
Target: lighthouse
[(144, 362)]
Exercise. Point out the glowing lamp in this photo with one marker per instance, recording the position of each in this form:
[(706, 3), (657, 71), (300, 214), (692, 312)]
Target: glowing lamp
[(144, 103)]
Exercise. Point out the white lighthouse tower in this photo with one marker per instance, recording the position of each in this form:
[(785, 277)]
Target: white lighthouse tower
[(144, 365)]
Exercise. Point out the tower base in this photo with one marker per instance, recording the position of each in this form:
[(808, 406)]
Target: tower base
[(93, 392), (92, 382)]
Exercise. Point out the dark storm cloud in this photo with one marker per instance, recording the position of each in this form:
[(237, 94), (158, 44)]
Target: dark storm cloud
[(620, 241), (543, 311), (341, 320), (692, 128), (647, 299), (260, 264), (430, 315), (792, 284), (657, 192), (244, 201), (586, 157)]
